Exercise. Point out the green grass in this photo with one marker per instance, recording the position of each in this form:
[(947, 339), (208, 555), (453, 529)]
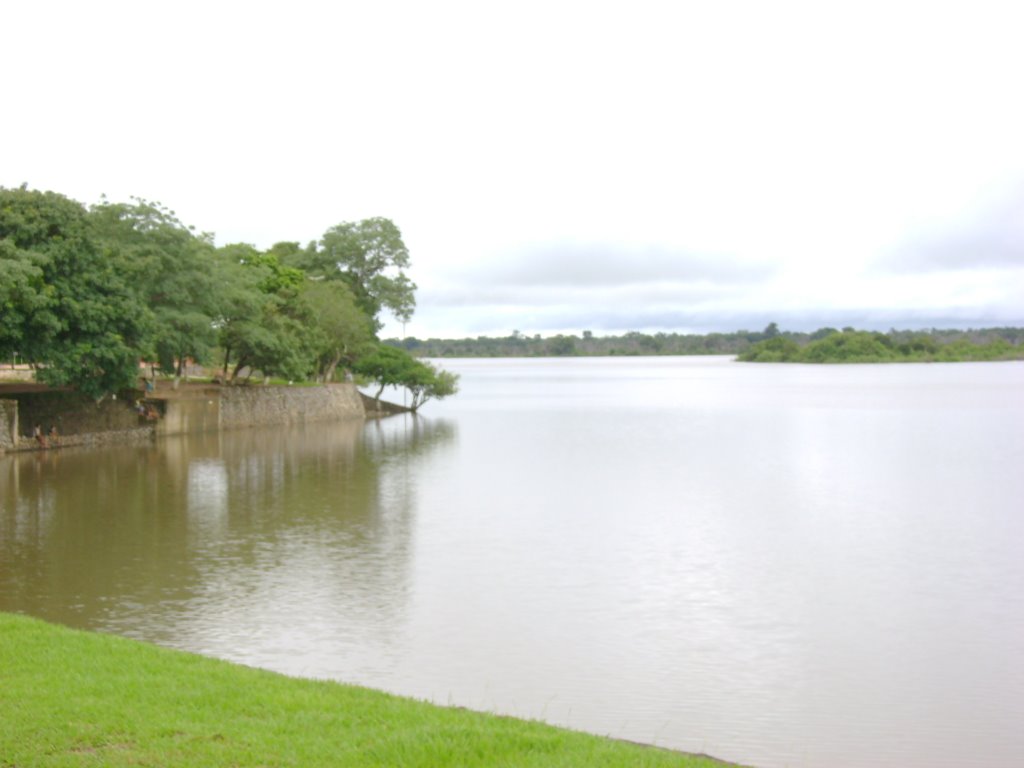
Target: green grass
[(70, 698)]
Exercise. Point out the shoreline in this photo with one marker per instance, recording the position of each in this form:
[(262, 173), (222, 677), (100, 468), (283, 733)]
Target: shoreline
[(74, 693), (144, 415)]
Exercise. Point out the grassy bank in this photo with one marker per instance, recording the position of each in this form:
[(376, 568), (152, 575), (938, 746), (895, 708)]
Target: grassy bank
[(70, 698)]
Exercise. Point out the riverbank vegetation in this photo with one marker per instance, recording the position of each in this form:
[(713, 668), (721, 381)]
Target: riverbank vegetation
[(850, 346), (72, 698), (769, 344), (87, 292)]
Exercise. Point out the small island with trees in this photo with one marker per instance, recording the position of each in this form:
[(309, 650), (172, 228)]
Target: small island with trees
[(829, 345)]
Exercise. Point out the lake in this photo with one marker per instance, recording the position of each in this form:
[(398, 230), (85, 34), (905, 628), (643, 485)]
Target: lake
[(780, 565)]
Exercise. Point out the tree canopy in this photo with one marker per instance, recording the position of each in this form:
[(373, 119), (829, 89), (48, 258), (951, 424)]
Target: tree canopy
[(63, 305), (87, 293), (169, 266), (770, 344), (852, 346), (390, 366), (370, 257)]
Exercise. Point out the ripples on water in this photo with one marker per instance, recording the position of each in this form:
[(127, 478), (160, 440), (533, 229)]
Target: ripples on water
[(780, 565)]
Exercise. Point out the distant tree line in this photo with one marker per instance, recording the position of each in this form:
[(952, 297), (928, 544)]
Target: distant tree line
[(87, 292), (584, 345), (940, 344)]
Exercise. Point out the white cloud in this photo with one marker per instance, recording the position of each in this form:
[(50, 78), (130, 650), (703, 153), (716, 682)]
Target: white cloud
[(562, 163)]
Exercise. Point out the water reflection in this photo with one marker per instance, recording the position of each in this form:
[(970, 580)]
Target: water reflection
[(780, 565), (250, 545)]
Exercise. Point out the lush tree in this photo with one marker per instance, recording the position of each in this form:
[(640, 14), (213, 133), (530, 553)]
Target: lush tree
[(427, 382), (63, 305), (391, 366), (341, 330), (37, 229), (264, 324), (241, 301), (288, 252), (387, 366), (370, 257), (26, 315), (849, 347), (171, 268), (918, 344), (822, 333), (276, 278), (777, 349)]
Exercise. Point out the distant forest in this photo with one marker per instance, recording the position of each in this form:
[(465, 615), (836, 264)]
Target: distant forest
[(736, 343)]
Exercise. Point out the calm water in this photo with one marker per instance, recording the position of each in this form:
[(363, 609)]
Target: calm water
[(779, 565)]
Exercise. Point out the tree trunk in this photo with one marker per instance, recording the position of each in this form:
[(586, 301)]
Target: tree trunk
[(227, 357), (331, 366)]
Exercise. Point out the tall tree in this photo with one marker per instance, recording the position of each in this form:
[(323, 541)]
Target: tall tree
[(342, 330), (238, 317), (371, 258), (267, 324), (26, 311), (171, 268), (63, 305)]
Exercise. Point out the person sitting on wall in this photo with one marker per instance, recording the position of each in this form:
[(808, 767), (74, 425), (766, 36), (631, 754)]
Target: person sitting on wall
[(54, 436), (37, 433)]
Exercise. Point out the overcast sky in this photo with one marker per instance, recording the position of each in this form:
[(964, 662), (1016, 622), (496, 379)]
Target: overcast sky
[(561, 166)]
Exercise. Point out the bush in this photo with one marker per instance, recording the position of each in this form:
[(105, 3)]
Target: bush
[(777, 349)]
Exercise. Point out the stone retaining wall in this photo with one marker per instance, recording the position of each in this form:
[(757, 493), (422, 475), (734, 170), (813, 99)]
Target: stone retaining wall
[(72, 413), (80, 421), (8, 424), (261, 406)]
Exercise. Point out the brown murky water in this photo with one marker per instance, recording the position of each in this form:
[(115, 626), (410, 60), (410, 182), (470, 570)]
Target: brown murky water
[(780, 565)]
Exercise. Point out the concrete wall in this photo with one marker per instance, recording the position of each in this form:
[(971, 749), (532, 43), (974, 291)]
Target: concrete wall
[(195, 414), (219, 408), (8, 424), (80, 421), (72, 413), (261, 406)]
